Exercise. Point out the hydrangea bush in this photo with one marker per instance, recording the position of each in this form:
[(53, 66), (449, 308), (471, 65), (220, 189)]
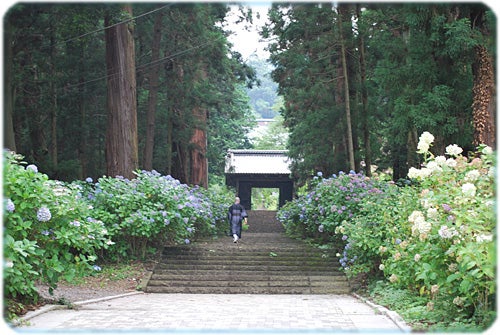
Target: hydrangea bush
[(48, 232), (150, 210), (55, 230), (434, 236), (444, 244), (331, 202)]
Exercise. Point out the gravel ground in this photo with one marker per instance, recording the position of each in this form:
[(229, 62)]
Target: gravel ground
[(94, 287), (66, 293)]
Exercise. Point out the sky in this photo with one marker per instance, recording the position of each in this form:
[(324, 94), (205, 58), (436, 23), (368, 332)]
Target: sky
[(248, 42)]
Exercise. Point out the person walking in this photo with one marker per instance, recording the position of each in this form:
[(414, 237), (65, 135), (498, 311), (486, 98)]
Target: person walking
[(236, 215)]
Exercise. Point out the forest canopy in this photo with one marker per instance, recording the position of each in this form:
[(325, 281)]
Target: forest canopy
[(186, 87), (95, 89)]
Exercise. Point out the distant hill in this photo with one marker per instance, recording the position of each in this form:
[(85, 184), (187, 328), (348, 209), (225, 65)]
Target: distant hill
[(265, 96)]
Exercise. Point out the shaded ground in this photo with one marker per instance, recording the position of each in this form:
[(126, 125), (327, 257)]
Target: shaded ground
[(114, 281)]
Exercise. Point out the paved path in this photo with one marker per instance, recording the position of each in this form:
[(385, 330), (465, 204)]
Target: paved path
[(218, 313)]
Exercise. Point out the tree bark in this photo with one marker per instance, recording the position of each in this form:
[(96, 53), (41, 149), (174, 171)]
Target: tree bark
[(198, 142), (153, 94), (350, 146), (364, 98), (9, 92), (484, 101), (53, 95), (121, 132), (199, 163)]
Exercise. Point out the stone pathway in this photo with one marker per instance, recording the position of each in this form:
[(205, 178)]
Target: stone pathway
[(218, 313), (193, 312)]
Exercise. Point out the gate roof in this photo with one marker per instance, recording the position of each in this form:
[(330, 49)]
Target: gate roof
[(257, 162)]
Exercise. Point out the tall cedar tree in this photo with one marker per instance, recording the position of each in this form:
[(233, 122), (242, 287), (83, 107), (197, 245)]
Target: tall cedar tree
[(416, 75), (121, 132)]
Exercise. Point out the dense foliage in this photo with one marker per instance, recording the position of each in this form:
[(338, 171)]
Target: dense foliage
[(432, 236), (57, 230), (56, 103), (408, 68)]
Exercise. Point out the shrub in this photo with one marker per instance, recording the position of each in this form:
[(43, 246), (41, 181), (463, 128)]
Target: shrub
[(433, 236), (151, 210), (331, 202), (48, 232), (445, 244)]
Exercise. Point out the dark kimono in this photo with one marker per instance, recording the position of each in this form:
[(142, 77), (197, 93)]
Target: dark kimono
[(235, 216)]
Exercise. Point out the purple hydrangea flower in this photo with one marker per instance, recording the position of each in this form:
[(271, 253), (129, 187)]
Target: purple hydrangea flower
[(75, 223), (446, 207), (32, 167), (43, 214), (9, 206)]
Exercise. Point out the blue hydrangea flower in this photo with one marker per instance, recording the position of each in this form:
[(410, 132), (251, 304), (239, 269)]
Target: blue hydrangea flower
[(89, 180), (75, 223), (97, 268), (43, 214), (32, 167), (9, 206), (187, 241)]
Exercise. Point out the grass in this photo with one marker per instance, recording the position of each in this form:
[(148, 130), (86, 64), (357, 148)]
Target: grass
[(441, 316)]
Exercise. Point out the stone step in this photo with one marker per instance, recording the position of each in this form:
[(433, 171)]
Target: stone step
[(264, 261), (269, 273), (248, 276), (248, 290), (248, 281), (235, 263)]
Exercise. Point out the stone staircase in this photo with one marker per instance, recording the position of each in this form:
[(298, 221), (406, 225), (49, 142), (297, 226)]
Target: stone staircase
[(264, 261)]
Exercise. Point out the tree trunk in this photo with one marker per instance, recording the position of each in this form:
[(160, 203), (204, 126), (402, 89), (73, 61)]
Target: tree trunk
[(350, 146), (82, 106), (198, 143), (121, 132), (364, 99), (53, 94), (484, 101), (153, 94), (199, 163), (9, 141)]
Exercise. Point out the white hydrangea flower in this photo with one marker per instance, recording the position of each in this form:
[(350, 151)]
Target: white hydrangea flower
[(424, 142), (472, 175), (440, 160), (487, 150), (420, 226), (413, 173), (426, 137), (451, 162), (446, 232), (422, 147), (433, 166), (416, 215), (453, 150), (425, 172), (469, 190), (484, 238), (432, 213)]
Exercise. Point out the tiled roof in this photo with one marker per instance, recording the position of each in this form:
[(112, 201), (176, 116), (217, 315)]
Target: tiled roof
[(257, 162)]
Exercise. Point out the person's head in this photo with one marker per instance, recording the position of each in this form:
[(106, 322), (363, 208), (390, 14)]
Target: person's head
[(236, 200)]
